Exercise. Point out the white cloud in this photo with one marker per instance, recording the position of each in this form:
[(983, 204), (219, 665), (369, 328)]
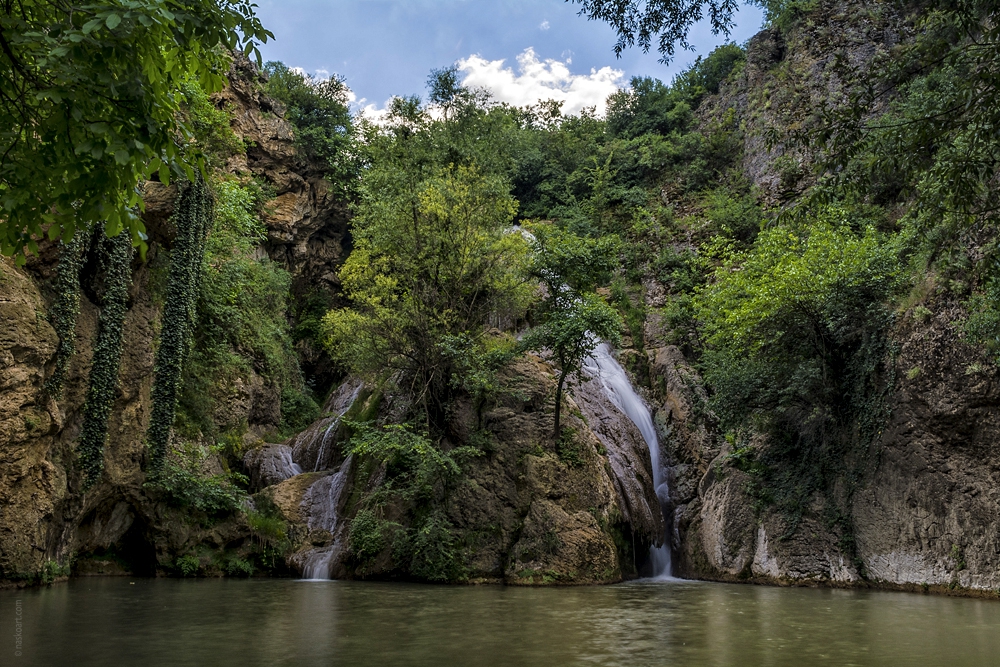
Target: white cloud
[(318, 75), (538, 80), (544, 26), (370, 111), (534, 81)]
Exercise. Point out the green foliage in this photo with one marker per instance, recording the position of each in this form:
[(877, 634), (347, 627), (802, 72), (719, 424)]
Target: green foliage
[(298, 409), (52, 570), (433, 259), (268, 529), (706, 74), (574, 319), (983, 324), (736, 216), (648, 107), (318, 110), (188, 565), (476, 364), (419, 468), (668, 22), (420, 475), (238, 567), (185, 484), (241, 321), (936, 146), (269, 535), (192, 219), (66, 307), (568, 449), (434, 550), (103, 381), (367, 535), (595, 177), (781, 14), (210, 127), (90, 107), (796, 329)]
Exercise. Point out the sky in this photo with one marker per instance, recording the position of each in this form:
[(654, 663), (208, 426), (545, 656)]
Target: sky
[(523, 51)]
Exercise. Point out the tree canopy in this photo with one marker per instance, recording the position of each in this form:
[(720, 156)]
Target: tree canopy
[(89, 101)]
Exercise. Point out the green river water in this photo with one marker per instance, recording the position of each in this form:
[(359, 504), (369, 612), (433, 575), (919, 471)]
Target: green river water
[(216, 623)]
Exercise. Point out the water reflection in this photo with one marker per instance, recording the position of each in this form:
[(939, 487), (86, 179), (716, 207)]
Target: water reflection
[(285, 622)]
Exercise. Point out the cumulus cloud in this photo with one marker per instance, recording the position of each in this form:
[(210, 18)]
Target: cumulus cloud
[(534, 81), (371, 111), (544, 26), (538, 79)]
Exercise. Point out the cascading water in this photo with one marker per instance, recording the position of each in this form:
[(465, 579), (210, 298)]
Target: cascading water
[(615, 383), (321, 502)]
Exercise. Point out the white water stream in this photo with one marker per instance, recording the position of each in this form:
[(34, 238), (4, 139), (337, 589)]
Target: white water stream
[(321, 501), (604, 367)]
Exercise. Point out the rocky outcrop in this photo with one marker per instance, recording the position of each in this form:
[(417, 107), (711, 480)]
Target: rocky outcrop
[(307, 220), (45, 515), (922, 515), (528, 510)]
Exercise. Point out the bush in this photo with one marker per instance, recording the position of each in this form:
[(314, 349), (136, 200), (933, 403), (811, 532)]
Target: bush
[(237, 567), (797, 348), (434, 550), (298, 409), (51, 570), (188, 565), (367, 538), (186, 486)]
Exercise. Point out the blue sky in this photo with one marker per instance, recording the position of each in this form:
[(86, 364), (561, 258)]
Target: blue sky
[(388, 47)]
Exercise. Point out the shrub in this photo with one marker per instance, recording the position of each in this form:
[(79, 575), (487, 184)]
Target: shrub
[(187, 486), (237, 567), (188, 565), (797, 348), (434, 549)]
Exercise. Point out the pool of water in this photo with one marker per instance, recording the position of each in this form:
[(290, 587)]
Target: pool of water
[(152, 622)]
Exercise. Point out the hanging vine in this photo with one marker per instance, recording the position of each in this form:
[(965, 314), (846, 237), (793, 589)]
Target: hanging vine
[(117, 253), (192, 219), (66, 307)]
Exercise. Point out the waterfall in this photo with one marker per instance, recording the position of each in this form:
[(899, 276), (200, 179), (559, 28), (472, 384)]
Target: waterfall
[(615, 383), (321, 502)]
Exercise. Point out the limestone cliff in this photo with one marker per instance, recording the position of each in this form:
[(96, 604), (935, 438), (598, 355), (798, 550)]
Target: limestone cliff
[(45, 516), (916, 508)]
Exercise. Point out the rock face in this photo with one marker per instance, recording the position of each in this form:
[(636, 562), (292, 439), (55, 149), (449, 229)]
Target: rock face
[(923, 515), (922, 511), (528, 511), (307, 221), (44, 513)]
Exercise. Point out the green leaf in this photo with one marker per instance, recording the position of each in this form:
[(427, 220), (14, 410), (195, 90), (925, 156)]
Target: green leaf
[(112, 21)]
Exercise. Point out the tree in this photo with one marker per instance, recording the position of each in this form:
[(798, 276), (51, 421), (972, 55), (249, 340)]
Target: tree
[(668, 21), (89, 102), (575, 318), (319, 111), (934, 141), (433, 259), (795, 326)]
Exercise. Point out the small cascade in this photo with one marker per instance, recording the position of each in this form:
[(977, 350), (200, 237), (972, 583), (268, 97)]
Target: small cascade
[(332, 428), (617, 387), (270, 464), (311, 449), (322, 503)]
